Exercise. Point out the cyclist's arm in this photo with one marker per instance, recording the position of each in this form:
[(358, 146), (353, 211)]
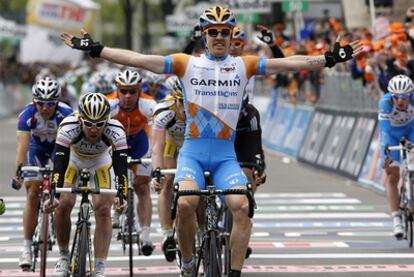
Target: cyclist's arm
[(62, 154), (294, 63), (158, 140), (152, 63), (23, 141)]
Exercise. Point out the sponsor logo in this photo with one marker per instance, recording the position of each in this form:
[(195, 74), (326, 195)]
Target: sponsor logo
[(227, 83), (216, 93), (227, 69), (225, 106)]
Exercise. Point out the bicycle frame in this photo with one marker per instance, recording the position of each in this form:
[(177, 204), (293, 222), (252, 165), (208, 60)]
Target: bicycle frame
[(44, 236), (80, 247), (406, 189), (210, 250)]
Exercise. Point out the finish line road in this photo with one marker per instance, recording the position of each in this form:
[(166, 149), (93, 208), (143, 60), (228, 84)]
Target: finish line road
[(308, 223)]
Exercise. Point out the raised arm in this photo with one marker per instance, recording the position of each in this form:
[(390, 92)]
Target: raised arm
[(152, 63), (329, 59)]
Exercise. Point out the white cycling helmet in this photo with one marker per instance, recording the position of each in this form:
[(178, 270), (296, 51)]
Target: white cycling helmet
[(103, 83), (128, 78), (400, 84), (94, 106), (153, 78), (46, 89)]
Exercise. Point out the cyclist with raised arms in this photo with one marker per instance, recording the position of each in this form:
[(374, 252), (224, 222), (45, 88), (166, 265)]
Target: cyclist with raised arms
[(134, 110), (167, 137), (213, 86), (396, 120), (89, 140), (36, 132)]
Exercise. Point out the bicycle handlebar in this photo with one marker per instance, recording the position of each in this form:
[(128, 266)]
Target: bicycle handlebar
[(87, 190), (132, 161)]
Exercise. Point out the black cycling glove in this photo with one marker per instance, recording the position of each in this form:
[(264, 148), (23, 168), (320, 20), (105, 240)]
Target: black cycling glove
[(339, 54), (266, 36), (86, 43)]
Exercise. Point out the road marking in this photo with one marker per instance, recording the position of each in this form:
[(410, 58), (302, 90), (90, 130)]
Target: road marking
[(323, 244), (328, 224), (319, 215), (301, 208), (364, 234), (124, 271), (310, 201)]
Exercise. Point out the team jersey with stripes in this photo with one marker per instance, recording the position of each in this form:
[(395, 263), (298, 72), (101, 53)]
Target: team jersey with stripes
[(213, 91), (70, 135)]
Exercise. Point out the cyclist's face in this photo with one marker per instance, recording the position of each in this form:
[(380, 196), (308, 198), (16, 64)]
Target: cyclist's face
[(218, 40), (93, 133), (128, 96), (46, 109), (236, 48), (402, 102)]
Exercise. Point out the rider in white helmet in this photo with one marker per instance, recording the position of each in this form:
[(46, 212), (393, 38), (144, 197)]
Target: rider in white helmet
[(396, 120), (36, 134)]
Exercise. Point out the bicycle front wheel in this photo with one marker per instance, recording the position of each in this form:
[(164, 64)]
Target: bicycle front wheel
[(409, 229), (44, 248), (79, 259), (212, 257)]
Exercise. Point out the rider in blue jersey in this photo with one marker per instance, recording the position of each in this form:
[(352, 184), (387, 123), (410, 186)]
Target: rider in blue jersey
[(154, 85), (396, 120), (36, 134)]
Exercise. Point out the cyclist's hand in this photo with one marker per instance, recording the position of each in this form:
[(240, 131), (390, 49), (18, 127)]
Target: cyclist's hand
[(50, 207), (16, 183), (84, 43), (344, 53), (196, 34), (261, 179), (118, 207), (158, 185), (265, 35), (2, 207)]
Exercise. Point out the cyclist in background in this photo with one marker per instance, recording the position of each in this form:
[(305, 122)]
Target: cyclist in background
[(102, 83), (154, 85), (396, 120), (167, 138), (213, 86), (36, 133), (134, 110), (86, 141)]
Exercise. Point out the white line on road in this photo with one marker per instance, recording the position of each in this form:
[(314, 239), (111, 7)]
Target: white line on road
[(319, 215)]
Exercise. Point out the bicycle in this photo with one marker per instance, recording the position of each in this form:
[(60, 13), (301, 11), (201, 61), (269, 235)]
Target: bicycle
[(82, 244), (406, 189), (44, 236), (210, 251), (126, 234)]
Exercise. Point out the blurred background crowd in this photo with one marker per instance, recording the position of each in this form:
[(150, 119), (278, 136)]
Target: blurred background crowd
[(30, 44)]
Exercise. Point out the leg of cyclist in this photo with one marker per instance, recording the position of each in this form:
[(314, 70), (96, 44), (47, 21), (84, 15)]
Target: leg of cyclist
[(63, 227), (240, 234), (30, 215), (103, 232), (164, 206), (392, 172), (186, 228)]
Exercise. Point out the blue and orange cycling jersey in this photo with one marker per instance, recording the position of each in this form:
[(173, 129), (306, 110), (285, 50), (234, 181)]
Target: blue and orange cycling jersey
[(213, 91), (394, 124), (162, 92)]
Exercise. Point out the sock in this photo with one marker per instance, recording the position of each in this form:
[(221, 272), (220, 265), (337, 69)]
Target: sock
[(27, 245), (145, 233), (100, 264), (396, 213), (168, 233), (188, 263), (64, 252), (235, 273)]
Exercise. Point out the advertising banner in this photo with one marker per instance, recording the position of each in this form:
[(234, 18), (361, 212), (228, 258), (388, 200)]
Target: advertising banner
[(63, 15), (358, 145)]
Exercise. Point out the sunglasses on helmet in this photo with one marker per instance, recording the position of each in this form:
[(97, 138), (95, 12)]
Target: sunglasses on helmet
[(90, 124), (126, 91), (404, 96), (213, 32), (48, 104)]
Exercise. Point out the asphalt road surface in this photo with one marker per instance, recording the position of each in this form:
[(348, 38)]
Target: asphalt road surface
[(308, 223)]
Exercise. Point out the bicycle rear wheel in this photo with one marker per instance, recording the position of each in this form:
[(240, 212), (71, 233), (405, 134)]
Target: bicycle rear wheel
[(44, 248), (130, 222), (225, 240)]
